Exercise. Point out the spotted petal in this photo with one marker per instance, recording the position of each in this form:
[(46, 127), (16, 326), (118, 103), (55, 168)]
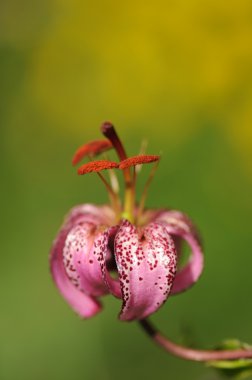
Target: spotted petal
[(94, 214), (80, 263), (85, 305), (146, 261), (104, 252), (179, 226)]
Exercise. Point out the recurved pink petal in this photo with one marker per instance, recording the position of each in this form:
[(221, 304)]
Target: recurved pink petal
[(92, 213), (81, 265), (146, 261), (179, 225), (83, 304), (104, 252)]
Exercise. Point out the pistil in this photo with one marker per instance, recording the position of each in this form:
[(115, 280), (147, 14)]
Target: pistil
[(129, 198)]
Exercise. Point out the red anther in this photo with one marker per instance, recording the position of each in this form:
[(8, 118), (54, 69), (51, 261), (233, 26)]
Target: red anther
[(138, 160), (92, 148), (97, 166)]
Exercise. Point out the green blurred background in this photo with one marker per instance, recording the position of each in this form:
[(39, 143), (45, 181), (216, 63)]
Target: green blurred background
[(176, 72)]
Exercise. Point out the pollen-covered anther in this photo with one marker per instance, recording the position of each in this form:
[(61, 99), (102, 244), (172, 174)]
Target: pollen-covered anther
[(138, 160), (97, 166), (93, 148)]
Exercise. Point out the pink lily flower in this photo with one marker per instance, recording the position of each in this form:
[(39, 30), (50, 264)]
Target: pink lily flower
[(131, 252), (142, 247)]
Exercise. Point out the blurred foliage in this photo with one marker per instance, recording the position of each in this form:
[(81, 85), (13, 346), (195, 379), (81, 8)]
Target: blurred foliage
[(177, 73)]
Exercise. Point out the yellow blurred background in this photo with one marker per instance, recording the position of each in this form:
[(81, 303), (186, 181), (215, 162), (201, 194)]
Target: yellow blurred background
[(178, 73)]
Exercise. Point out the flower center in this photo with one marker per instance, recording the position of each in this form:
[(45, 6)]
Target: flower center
[(130, 168)]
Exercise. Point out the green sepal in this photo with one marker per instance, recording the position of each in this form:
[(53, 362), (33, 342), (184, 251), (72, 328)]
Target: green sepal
[(238, 368)]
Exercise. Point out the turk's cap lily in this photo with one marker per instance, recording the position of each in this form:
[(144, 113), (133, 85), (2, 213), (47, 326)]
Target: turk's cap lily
[(133, 253), (125, 250)]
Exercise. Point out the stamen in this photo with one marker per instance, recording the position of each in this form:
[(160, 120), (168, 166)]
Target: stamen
[(146, 188), (143, 150), (112, 176), (97, 166), (114, 181), (114, 199), (136, 160), (92, 149)]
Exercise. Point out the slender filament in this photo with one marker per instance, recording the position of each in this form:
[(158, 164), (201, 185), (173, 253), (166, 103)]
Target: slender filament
[(146, 188)]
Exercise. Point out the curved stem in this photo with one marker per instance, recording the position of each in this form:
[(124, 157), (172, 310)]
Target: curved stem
[(189, 353)]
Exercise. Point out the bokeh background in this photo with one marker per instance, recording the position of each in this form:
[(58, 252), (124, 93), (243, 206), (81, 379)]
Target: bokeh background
[(176, 72)]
